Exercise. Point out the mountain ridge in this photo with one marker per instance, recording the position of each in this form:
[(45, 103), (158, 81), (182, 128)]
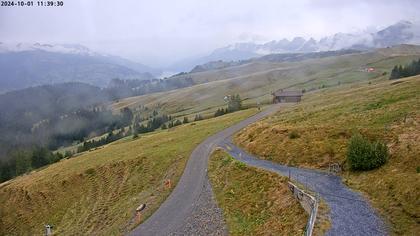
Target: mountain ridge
[(402, 32), (25, 65)]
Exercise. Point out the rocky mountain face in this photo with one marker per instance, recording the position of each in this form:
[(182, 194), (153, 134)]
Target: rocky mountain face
[(403, 32), (26, 65)]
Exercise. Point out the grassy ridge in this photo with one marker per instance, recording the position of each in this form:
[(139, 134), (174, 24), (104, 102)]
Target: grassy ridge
[(322, 125), (255, 81), (254, 202), (98, 192)]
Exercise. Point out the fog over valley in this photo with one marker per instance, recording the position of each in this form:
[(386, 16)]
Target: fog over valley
[(209, 117), (163, 34)]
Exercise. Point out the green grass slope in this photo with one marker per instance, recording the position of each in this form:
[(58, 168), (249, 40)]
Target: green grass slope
[(322, 125), (255, 81), (97, 192)]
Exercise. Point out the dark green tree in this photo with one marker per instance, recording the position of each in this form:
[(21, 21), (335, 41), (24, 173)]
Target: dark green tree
[(401, 71), (68, 154), (410, 69), (23, 162), (7, 170), (198, 117), (234, 103), (218, 112), (135, 135), (126, 116), (395, 73), (364, 155), (177, 122), (41, 157)]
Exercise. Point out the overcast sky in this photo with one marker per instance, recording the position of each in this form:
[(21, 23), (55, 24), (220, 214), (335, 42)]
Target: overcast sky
[(158, 32)]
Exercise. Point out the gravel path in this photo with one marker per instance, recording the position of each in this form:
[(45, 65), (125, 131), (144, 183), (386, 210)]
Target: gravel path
[(350, 212), (206, 218), (191, 209)]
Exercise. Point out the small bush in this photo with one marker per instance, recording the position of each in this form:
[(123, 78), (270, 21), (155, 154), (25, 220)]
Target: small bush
[(364, 155), (185, 121), (293, 135), (177, 122), (240, 165), (68, 154), (226, 160), (90, 171)]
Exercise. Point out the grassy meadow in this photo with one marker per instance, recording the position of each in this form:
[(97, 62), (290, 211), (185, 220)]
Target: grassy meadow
[(97, 192), (254, 202), (316, 132), (255, 81)]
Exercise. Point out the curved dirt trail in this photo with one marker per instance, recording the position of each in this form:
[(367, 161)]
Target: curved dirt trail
[(191, 209), (350, 213)]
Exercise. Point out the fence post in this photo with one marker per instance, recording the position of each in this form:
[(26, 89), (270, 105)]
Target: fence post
[(48, 230)]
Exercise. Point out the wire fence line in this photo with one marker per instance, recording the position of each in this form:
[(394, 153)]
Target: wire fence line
[(309, 203), (301, 179)]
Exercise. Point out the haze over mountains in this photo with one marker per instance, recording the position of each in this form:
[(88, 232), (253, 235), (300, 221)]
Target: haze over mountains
[(402, 32), (30, 64), (75, 49), (24, 65)]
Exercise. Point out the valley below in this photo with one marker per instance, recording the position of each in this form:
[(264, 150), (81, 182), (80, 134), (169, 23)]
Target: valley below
[(158, 143)]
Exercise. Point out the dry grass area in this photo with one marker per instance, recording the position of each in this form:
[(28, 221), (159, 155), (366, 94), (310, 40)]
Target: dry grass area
[(254, 201), (97, 192), (323, 220), (316, 132)]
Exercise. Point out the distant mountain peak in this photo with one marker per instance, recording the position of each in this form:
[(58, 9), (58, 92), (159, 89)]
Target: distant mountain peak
[(57, 48), (298, 40), (399, 33), (30, 64), (404, 22)]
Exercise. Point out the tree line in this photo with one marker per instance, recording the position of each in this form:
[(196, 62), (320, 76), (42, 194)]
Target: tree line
[(109, 138), (23, 161), (65, 129), (158, 122), (400, 71), (77, 126), (234, 103), (59, 114)]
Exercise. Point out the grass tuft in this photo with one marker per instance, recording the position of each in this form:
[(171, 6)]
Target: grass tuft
[(294, 135)]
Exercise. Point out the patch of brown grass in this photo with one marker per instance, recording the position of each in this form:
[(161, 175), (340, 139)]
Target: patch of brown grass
[(254, 201), (323, 221)]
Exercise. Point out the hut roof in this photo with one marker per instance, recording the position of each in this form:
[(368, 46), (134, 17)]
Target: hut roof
[(281, 93)]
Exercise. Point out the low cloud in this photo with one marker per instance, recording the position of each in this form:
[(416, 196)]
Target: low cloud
[(161, 32)]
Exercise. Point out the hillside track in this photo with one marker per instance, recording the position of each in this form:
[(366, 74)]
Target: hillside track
[(191, 209), (350, 212)]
